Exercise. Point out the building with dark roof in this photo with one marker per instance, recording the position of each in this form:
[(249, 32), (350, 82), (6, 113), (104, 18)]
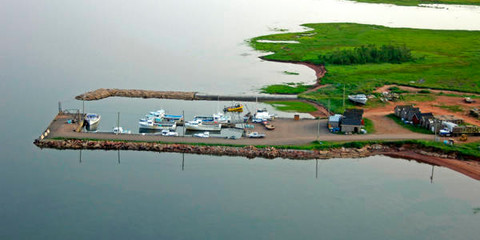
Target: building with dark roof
[(352, 121)]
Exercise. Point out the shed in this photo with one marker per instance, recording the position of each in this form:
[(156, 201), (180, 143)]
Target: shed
[(334, 121), (352, 121)]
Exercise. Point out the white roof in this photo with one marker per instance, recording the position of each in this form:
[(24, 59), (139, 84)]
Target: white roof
[(335, 118)]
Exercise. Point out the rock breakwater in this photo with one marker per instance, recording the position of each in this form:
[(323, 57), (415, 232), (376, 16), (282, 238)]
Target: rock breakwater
[(247, 151), (134, 93), (406, 151)]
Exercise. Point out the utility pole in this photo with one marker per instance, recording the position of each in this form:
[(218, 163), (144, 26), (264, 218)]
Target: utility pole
[(328, 109), (183, 113), (118, 124), (344, 96), (59, 107), (83, 104), (318, 129)]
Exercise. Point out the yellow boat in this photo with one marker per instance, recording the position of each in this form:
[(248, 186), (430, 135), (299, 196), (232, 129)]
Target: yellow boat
[(235, 108)]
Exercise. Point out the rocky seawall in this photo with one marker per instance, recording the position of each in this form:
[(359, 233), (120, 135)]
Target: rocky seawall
[(134, 93), (247, 151), (463, 164)]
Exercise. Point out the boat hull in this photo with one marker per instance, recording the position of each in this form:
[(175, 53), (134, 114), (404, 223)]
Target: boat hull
[(157, 127), (92, 125), (203, 127)]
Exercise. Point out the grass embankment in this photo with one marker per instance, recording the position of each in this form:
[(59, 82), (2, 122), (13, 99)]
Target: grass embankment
[(468, 149), (451, 108), (369, 126), (417, 2), (443, 59), (292, 106), (410, 127), (287, 88)]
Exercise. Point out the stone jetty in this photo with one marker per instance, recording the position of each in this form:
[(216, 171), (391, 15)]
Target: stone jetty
[(137, 93)]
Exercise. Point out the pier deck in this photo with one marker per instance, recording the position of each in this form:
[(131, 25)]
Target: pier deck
[(287, 132)]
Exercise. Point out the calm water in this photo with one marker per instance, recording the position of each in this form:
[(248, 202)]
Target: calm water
[(51, 51)]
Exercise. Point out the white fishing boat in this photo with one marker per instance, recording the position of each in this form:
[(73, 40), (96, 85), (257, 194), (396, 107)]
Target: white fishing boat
[(91, 121), (173, 118), (156, 123), (202, 135), (263, 114), (199, 125), (221, 118), (359, 98), (256, 135)]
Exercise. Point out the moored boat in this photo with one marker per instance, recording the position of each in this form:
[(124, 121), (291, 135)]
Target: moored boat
[(199, 125), (156, 124), (91, 121), (173, 118)]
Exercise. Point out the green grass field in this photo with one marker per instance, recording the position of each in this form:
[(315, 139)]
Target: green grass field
[(285, 89), (417, 2), (445, 59), (292, 106)]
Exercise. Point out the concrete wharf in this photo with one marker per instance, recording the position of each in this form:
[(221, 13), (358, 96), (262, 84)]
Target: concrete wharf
[(287, 132)]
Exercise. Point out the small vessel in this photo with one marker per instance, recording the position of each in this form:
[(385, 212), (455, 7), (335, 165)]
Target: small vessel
[(262, 115), (91, 121), (156, 123), (221, 118), (173, 118), (202, 135), (199, 125), (256, 135), (359, 98), (168, 133), (235, 108), (269, 127), (120, 130)]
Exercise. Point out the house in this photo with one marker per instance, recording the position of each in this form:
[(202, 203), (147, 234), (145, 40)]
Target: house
[(426, 120), (352, 121), (400, 109), (334, 122), (411, 113)]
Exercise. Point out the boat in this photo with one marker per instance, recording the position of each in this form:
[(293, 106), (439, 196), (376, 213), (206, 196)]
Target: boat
[(221, 118), (262, 115), (168, 133), (202, 135), (120, 130), (156, 123), (173, 118), (91, 121), (256, 135), (359, 98), (269, 127), (235, 108), (199, 125)]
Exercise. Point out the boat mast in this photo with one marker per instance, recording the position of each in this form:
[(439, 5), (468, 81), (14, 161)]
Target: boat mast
[(344, 96)]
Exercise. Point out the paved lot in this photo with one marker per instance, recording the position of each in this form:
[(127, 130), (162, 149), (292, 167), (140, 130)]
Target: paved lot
[(287, 132)]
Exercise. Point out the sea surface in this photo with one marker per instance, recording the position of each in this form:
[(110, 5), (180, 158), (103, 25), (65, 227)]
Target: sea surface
[(53, 50)]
